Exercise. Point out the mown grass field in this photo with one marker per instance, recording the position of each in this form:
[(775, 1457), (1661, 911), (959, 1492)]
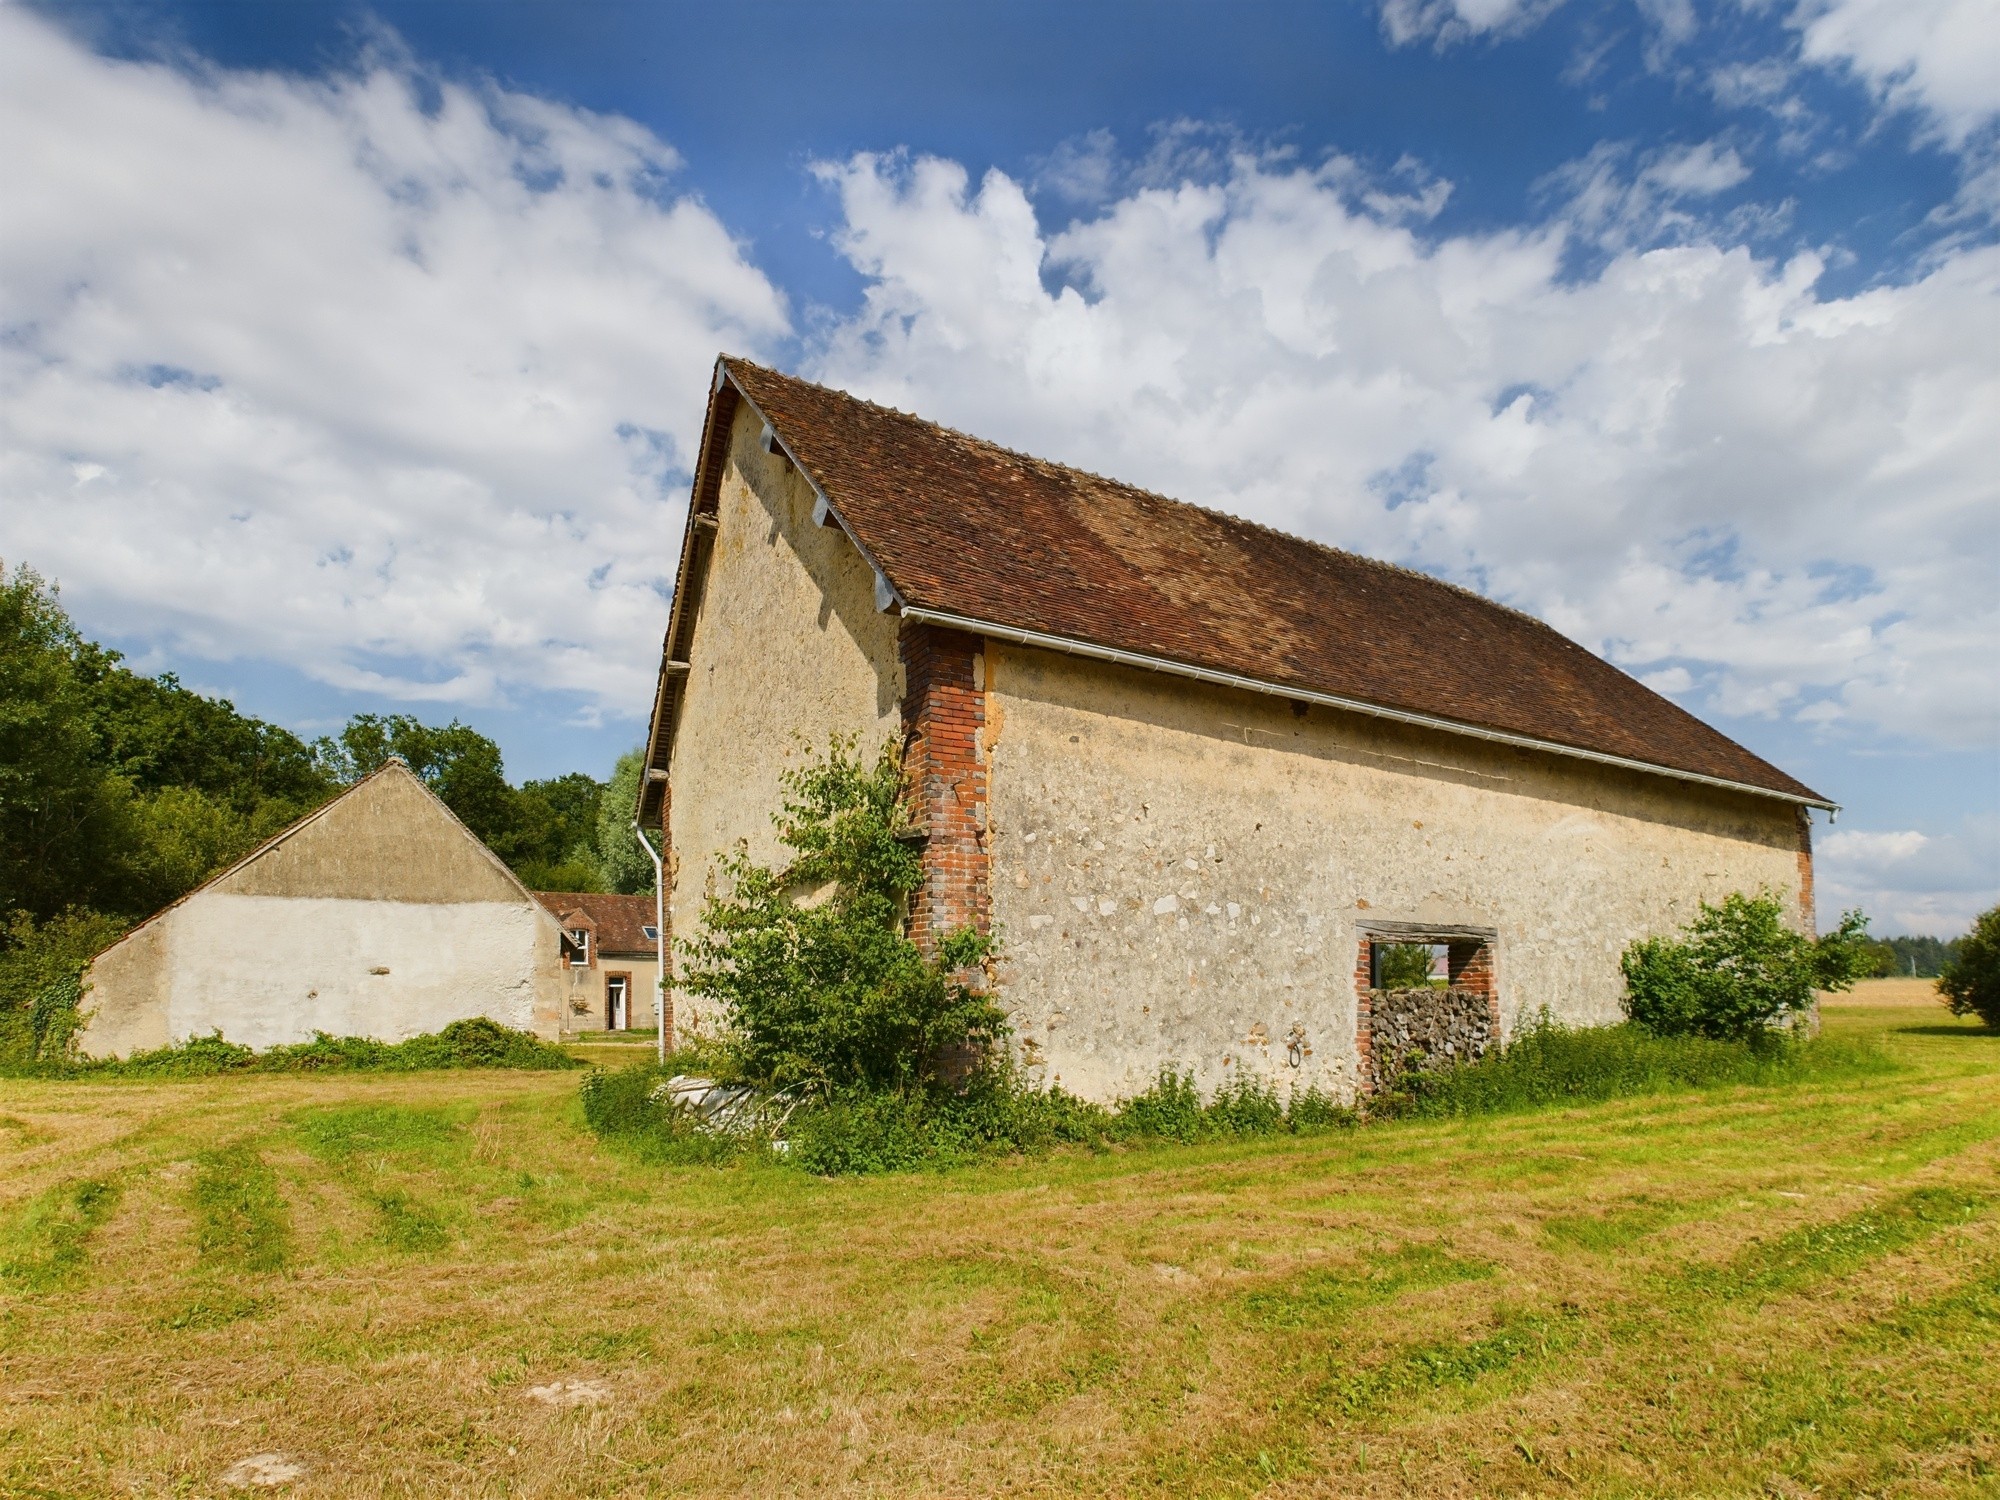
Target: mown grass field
[(1781, 1291)]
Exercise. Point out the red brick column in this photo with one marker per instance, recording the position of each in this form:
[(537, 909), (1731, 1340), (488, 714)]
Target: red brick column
[(1472, 969), (944, 710), (1808, 915)]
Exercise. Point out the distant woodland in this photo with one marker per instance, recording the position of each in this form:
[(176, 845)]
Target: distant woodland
[(121, 792)]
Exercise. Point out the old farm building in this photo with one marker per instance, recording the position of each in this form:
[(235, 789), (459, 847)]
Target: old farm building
[(378, 915), (1195, 772)]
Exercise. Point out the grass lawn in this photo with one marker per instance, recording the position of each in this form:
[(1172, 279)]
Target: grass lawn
[(438, 1284)]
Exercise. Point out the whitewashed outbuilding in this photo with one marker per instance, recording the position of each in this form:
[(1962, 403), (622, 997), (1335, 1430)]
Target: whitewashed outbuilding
[(380, 915)]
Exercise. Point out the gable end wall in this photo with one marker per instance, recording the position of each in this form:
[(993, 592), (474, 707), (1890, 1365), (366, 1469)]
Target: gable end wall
[(787, 651)]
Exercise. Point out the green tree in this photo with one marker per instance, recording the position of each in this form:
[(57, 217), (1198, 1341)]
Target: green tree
[(457, 762), (1405, 966), (819, 982), (61, 813), (1739, 970), (1970, 983), (622, 864)]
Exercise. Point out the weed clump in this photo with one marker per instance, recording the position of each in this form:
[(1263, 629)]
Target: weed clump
[(1547, 1063), (1172, 1109), (476, 1042)]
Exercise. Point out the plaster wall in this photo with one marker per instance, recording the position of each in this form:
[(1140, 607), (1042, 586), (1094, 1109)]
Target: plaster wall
[(1181, 874), (271, 969), (379, 916), (787, 651), (583, 993)]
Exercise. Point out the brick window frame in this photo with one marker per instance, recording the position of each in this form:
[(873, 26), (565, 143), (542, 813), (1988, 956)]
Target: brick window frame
[(1471, 964)]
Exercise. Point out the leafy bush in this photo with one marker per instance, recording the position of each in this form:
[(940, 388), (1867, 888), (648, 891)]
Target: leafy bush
[(820, 986), (1970, 983), (623, 1105), (1547, 1063), (1739, 971), (473, 1043)]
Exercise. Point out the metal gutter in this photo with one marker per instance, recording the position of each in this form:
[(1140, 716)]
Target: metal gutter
[(1145, 663)]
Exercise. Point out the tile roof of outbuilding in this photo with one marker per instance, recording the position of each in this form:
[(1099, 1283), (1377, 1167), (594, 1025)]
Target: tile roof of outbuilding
[(619, 921), (964, 527)]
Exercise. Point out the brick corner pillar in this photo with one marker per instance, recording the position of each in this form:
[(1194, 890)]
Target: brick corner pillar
[(1471, 965), (1808, 915), (944, 712)]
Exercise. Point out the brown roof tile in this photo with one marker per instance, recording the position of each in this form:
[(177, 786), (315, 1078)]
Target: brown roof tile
[(620, 921), (966, 527)]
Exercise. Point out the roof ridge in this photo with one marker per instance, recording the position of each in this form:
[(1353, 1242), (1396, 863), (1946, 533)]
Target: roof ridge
[(1226, 517)]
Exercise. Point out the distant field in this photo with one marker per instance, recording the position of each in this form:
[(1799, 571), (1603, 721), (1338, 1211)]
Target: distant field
[(439, 1285)]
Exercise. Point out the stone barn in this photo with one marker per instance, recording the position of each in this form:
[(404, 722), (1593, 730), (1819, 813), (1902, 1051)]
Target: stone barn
[(1197, 775), (378, 915)]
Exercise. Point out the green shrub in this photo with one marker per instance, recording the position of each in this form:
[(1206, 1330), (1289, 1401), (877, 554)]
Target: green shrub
[(473, 1043), (860, 1131), (1739, 970), (1971, 981), (850, 1130), (1546, 1063), (819, 984)]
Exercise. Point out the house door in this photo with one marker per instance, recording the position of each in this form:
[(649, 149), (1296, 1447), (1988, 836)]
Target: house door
[(617, 1009)]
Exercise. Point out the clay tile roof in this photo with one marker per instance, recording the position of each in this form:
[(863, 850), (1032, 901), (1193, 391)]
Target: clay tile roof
[(964, 527), (619, 921)]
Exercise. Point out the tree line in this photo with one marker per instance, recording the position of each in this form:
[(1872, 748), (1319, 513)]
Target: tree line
[(121, 792)]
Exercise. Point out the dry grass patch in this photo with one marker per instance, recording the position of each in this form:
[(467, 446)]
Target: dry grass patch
[(1740, 1291)]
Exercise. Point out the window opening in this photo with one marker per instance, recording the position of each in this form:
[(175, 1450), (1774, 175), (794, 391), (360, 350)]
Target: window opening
[(579, 948), (1409, 966)]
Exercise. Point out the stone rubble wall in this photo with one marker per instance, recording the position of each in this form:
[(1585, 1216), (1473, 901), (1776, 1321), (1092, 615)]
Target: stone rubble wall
[(1444, 1026)]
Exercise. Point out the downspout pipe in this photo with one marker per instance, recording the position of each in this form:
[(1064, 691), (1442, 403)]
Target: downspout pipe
[(659, 935)]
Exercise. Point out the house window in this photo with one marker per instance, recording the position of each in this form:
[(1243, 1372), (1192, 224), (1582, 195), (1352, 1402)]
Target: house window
[(579, 948), (618, 1002), (652, 932)]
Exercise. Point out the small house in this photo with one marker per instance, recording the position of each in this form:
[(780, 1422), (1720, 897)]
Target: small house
[(610, 960)]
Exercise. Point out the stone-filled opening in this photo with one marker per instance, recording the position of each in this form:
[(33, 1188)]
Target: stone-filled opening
[(1407, 1014)]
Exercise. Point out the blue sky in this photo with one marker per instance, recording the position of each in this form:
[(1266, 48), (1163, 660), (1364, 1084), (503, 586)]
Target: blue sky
[(353, 354)]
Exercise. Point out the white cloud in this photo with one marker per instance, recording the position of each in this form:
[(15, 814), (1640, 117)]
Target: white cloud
[(1692, 459), (1449, 21), (310, 371), (1909, 881), (1660, 199), (1940, 57)]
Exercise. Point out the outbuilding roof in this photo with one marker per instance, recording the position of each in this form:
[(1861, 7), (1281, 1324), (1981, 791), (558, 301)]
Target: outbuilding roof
[(620, 922), (963, 531)]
